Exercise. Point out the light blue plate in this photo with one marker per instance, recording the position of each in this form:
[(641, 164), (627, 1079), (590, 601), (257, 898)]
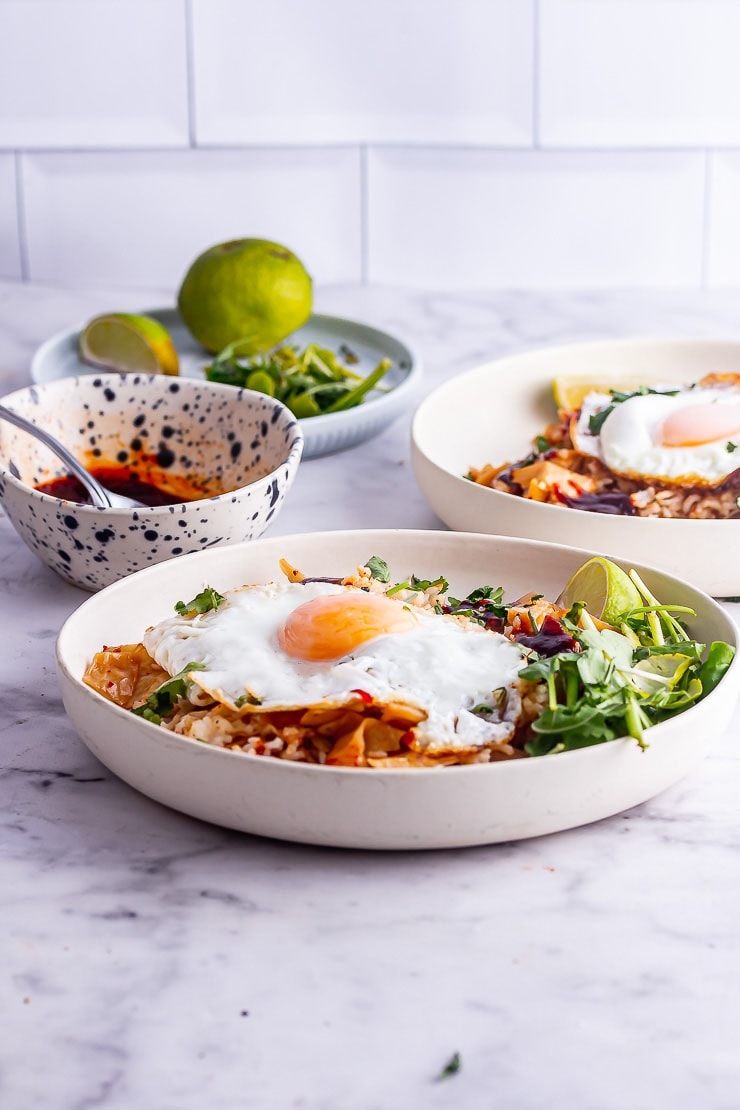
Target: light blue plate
[(59, 358)]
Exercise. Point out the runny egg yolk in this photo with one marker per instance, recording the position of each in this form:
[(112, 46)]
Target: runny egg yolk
[(329, 627), (697, 424)]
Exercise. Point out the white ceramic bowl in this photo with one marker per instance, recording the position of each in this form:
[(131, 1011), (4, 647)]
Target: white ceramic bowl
[(361, 808), (492, 413), (243, 447), (59, 357)]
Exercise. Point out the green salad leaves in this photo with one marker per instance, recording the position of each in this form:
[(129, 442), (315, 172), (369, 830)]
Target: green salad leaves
[(620, 682)]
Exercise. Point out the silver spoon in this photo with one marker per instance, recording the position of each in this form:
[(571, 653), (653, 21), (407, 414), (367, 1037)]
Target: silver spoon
[(102, 498)]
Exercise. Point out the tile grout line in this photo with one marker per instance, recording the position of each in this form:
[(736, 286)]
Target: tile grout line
[(21, 220), (536, 74), (364, 216), (190, 70), (706, 218), (455, 145)]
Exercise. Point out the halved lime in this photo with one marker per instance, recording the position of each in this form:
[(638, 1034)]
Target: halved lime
[(605, 589), (126, 341)]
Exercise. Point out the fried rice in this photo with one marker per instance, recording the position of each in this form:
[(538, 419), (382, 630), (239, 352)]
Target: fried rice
[(362, 732), (557, 473)]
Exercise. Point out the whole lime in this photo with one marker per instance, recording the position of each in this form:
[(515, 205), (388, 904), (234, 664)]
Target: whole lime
[(248, 290)]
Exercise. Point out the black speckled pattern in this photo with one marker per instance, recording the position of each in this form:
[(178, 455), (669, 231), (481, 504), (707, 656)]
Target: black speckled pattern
[(236, 440)]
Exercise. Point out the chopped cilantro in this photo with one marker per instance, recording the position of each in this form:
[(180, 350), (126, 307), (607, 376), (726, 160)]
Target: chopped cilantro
[(419, 585), (482, 605), (248, 699), (378, 569), (203, 602), (163, 702), (730, 447), (452, 1067), (596, 422)]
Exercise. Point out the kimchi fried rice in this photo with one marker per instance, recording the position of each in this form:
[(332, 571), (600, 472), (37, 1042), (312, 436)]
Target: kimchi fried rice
[(358, 672), (363, 731)]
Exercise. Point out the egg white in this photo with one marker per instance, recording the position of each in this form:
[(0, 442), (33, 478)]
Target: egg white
[(629, 439), (441, 666)]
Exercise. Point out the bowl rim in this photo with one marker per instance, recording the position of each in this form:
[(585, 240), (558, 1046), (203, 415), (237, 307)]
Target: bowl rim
[(291, 460)]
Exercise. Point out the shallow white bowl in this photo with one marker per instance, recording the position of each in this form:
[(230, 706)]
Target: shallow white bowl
[(492, 413), (361, 808), (243, 446), (59, 357)]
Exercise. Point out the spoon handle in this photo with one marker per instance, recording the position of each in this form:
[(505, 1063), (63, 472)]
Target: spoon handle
[(99, 496)]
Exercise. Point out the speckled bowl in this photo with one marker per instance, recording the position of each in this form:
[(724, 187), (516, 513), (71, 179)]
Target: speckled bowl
[(241, 449)]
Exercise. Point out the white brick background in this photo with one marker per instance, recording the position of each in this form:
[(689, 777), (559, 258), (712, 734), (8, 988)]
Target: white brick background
[(438, 143)]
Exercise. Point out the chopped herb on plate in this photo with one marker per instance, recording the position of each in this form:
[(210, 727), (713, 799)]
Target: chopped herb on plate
[(310, 381), (452, 1067)]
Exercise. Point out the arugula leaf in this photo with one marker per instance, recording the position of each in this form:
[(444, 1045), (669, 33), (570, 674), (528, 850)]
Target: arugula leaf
[(203, 602), (719, 657)]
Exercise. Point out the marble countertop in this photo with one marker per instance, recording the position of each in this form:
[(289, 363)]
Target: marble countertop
[(150, 960)]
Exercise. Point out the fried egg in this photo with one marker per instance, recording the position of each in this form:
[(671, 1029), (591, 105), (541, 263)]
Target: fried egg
[(682, 438), (293, 645)]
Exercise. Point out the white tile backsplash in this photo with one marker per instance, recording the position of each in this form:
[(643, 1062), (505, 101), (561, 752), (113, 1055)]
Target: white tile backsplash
[(509, 219), (551, 143), (10, 254), (723, 252), (639, 72), (87, 73), (139, 219), (432, 71)]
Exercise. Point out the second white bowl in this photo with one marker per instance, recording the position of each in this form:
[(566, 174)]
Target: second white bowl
[(492, 413)]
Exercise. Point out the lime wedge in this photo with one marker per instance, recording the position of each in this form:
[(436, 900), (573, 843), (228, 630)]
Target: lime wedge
[(569, 391), (125, 341), (605, 589)]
